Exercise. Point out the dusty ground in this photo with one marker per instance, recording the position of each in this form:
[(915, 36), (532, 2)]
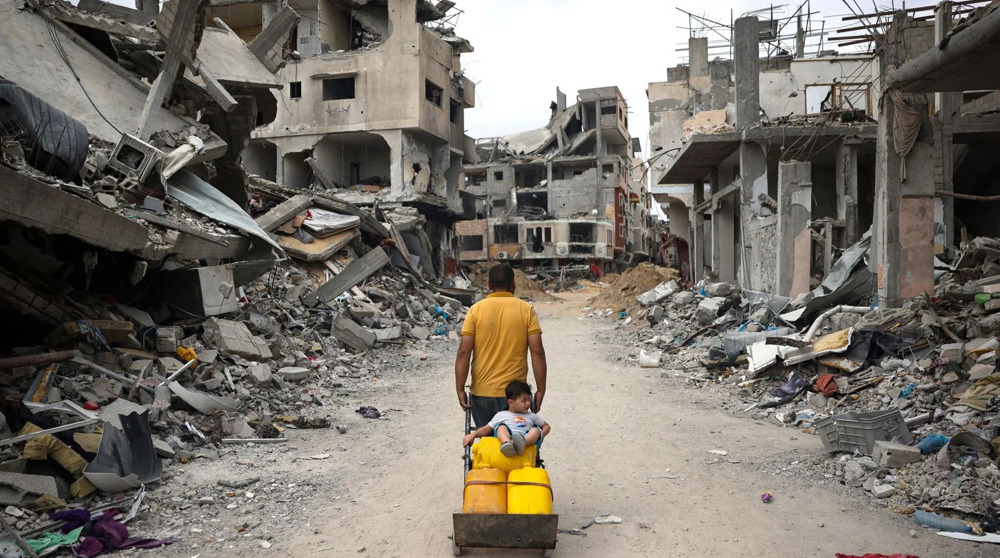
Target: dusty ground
[(389, 486)]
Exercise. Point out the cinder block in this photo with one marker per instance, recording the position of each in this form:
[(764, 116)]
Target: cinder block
[(893, 456)]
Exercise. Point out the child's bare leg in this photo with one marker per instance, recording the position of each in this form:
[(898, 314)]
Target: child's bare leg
[(503, 433), (532, 436)]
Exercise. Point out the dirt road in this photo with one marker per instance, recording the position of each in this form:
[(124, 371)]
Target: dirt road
[(625, 441)]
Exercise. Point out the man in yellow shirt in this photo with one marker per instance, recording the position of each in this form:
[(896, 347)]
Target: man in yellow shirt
[(497, 335)]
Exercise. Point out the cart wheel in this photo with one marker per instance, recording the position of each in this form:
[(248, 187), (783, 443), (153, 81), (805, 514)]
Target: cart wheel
[(548, 552)]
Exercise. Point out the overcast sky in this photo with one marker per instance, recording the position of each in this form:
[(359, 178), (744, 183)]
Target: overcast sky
[(526, 48)]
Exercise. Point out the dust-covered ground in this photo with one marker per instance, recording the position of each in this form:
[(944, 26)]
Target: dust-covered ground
[(681, 470)]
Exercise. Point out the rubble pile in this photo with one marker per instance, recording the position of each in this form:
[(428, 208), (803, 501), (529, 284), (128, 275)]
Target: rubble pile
[(527, 287), (905, 400), (622, 289)]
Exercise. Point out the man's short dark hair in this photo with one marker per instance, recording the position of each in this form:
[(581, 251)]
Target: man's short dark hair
[(516, 388), (502, 276)]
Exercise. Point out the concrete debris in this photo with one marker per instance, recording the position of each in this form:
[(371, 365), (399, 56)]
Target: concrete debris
[(658, 293), (235, 339)]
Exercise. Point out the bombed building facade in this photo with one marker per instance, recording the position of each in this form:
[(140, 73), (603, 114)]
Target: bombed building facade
[(372, 112), (563, 194), (774, 165)]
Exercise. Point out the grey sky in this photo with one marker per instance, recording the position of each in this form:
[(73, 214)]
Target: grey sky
[(526, 48)]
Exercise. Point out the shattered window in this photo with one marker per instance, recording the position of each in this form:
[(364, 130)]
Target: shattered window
[(505, 234), (335, 89), (295, 89), (433, 93)]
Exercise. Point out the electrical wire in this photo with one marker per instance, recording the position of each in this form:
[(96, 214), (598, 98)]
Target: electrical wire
[(54, 35)]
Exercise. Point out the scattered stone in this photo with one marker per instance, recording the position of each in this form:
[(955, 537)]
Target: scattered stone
[(420, 333), (708, 310), (893, 456), (294, 373), (658, 293)]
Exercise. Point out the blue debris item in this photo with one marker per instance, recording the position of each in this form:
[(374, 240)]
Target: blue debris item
[(940, 523), (933, 443), (908, 391), (622, 315), (438, 311)]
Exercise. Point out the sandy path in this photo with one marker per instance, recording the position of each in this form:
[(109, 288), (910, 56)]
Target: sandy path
[(393, 490)]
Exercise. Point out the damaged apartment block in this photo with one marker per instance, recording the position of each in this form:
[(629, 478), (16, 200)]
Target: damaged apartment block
[(567, 194), (775, 144), (372, 113)]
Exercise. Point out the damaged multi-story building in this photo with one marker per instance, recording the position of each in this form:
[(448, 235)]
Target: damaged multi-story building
[(774, 165), (121, 134), (568, 193), (372, 111)]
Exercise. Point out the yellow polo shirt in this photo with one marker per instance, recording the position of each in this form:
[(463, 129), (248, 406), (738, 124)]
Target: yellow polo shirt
[(500, 325)]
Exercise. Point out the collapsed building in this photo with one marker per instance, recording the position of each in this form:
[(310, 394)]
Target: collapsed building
[(372, 111), (567, 193), (775, 165)]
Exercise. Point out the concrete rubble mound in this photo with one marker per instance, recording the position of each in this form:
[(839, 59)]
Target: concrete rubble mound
[(162, 305), (906, 401)]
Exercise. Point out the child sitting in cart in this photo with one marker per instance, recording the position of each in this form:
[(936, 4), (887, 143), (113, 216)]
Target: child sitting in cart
[(517, 427)]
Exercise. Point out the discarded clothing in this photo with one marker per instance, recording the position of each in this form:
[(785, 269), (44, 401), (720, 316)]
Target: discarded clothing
[(369, 412), (73, 518), (108, 534), (793, 385), (870, 346), (933, 443), (55, 540), (826, 384)]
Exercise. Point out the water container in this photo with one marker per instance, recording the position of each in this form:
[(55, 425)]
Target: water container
[(532, 498), (485, 498), (486, 454)]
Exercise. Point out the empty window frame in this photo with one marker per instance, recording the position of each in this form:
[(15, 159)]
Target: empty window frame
[(609, 109), (433, 93), (505, 234), (295, 90), (336, 89), (471, 243), (582, 232), (454, 111), (548, 234), (498, 175)]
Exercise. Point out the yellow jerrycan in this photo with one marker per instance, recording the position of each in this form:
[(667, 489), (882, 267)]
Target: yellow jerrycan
[(481, 495), (486, 454), (532, 497)]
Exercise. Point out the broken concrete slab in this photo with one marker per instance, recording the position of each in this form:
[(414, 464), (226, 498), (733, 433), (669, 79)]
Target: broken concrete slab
[(420, 332), (718, 289), (352, 275), (655, 315), (980, 371), (683, 298), (893, 455), (351, 334), (203, 402), (953, 352), (658, 293), (388, 333), (168, 338), (234, 338), (15, 486)]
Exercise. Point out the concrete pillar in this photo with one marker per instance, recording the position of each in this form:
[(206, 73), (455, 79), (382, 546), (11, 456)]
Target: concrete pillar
[(800, 38), (698, 233), (949, 105), (747, 61), (724, 248), (698, 57), (794, 248), (847, 190), (904, 214)]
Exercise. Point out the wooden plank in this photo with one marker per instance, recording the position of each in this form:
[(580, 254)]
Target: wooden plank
[(35, 204), (335, 269), (358, 271), (283, 212)]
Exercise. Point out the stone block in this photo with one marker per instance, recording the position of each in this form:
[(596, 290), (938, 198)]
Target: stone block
[(294, 373), (14, 487), (420, 332), (893, 456), (168, 339), (683, 298), (655, 315), (708, 310), (387, 333), (234, 338), (883, 491), (953, 352), (260, 372), (658, 293), (718, 289), (992, 305), (353, 335)]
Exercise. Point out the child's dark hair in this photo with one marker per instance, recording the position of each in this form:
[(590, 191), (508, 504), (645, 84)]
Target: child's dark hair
[(516, 388)]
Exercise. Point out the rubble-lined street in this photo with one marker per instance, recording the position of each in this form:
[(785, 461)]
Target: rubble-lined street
[(682, 473)]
